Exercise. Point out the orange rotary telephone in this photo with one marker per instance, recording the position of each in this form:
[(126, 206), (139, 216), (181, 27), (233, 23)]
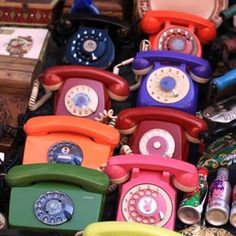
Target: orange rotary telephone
[(84, 91), (148, 193), (68, 139), (162, 131), (177, 31)]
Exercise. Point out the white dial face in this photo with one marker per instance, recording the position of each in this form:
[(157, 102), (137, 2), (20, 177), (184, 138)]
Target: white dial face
[(157, 141), (81, 100), (168, 84), (148, 204)]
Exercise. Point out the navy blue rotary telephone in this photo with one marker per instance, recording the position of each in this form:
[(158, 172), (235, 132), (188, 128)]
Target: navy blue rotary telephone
[(88, 38)]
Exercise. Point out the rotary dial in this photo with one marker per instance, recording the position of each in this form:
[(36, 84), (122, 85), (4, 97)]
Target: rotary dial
[(178, 39), (81, 100), (148, 204), (168, 84), (157, 141), (53, 208), (88, 46)]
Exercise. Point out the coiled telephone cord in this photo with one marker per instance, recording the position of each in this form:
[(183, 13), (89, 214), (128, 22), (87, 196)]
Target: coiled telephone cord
[(105, 115), (33, 105)]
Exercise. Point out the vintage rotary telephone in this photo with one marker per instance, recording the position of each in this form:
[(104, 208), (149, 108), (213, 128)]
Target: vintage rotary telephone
[(206, 9), (177, 31), (126, 228), (67, 139), (170, 79), (147, 194), (84, 91), (161, 131), (90, 39), (223, 106), (55, 197)]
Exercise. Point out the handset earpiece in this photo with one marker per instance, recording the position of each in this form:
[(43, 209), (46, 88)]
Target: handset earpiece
[(150, 24), (198, 73), (182, 181), (141, 66), (117, 174)]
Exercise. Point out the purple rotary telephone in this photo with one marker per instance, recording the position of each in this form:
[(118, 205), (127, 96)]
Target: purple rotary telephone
[(169, 79)]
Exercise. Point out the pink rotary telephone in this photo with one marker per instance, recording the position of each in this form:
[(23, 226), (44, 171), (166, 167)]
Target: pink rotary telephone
[(148, 193)]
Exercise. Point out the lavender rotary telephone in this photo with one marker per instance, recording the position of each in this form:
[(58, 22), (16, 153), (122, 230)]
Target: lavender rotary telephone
[(169, 79)]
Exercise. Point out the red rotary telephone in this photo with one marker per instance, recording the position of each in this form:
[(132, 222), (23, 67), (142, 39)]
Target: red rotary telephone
[(84, 91), (162, 131)]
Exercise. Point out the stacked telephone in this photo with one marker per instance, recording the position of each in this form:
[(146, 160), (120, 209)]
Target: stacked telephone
[(54, 197), (180, 26), (126, 228), (169, 79), (90, 39), (69, 140), (83, 91), (160, 131), (147, 191)]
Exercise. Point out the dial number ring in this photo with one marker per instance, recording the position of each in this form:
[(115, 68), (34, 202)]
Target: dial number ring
[(148, 204), (182, 85), (81, 100), (157, 141), (177, 39)]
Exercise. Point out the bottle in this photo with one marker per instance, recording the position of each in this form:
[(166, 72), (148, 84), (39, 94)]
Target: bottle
[(190, 209), (232, 217), (217, 211)]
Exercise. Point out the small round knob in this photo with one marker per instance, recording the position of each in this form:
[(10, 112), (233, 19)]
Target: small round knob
[(168, 83)]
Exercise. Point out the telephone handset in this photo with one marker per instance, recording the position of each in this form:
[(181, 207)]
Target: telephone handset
[(223, 109), (162, 131), (89, 38), (66, 139), (55, 197), (177, 31), (116, 228), (84, 91), (168, 79), (147, 194)]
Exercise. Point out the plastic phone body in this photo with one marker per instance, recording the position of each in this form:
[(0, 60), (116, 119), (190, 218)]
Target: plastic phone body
[(126, 228), (54, 197), (160, 131), (147, 193), (70, 140), (83, 91), (170, 79), (90, 39), (209, 9), (177, 31)]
